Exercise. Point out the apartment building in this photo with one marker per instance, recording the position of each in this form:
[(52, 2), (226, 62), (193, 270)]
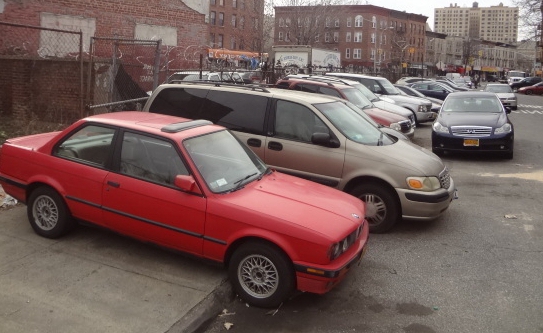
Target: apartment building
[(495, 23), (236, 24), (369, 38)]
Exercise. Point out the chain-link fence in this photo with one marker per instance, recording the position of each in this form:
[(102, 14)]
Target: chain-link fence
[(121, 73), (42, 76)]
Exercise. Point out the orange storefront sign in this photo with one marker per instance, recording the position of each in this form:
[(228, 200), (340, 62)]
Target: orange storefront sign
[(239, 55)]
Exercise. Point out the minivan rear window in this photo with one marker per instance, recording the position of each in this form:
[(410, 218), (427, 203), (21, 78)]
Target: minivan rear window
[(180, 102)]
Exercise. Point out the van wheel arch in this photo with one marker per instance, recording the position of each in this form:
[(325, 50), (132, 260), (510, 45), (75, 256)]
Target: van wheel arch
[(384, 193)]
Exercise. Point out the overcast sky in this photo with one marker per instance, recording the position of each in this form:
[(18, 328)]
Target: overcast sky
[(426, 7)]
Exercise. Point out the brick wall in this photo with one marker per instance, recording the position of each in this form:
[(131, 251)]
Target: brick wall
[(50, 89)]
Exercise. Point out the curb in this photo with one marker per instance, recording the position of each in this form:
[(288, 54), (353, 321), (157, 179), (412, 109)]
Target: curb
[(199, 317)]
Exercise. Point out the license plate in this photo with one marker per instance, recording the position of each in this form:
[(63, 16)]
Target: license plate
[(471, 142)]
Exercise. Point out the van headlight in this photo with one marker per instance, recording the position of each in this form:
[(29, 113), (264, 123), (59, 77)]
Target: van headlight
[(396, 127), (422, 108), (426, 184), (506, 128), (437, 127)]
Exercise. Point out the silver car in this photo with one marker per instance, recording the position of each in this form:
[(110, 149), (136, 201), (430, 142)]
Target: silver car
[(505, 94)]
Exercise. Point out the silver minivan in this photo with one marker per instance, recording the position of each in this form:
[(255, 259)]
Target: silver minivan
[(322, 139)]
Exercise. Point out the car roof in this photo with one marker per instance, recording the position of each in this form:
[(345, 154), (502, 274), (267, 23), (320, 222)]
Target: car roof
[(356, 75), (155, 123), (253, 89), (469, 94)]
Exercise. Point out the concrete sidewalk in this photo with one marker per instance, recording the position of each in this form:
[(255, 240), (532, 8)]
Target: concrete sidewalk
[(95, 281)]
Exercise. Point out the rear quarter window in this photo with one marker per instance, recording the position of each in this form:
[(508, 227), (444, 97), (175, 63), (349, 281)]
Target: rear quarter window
[(239, 112), (180, 102)]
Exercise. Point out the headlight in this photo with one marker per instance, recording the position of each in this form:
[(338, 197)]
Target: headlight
[(506, 128), (335, 251), (422, 108), (437, 127), (396, 127), (426, 184)]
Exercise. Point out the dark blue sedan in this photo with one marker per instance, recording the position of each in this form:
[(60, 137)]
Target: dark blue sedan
[(474, 122)]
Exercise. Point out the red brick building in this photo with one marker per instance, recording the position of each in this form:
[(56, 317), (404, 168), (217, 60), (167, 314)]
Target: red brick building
[(236, 25), (367, 36)]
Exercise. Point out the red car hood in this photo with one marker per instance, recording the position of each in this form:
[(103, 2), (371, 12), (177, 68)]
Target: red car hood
[(300, 202)]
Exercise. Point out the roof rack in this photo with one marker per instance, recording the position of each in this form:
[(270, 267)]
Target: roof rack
[(320, 78), (249, 86)]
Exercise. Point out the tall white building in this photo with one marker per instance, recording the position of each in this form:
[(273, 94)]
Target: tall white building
[(495, 23)]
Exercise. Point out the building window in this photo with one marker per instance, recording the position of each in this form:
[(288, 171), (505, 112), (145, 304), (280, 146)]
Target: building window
[(212, 18), (234, 20), (287, 36), (221, 2), (242, 4), (349, 22), (336, 23), (358, 37), (373, 38), (280, 35), (234, 3), (372, 56), (281, 22), (212, 38), (327, 22), (242, 22), (316, 37), (347, 53), (299, 22), (336, 36), (358, 23), (348, 37), (232, 43), (287, 22), (221, 19), (373, 22), (326, 37), (213, 2), (220, 41), (357, 53)]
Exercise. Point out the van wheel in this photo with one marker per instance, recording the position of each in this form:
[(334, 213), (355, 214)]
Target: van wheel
[(382, 210), (48, 214), (261, 274)]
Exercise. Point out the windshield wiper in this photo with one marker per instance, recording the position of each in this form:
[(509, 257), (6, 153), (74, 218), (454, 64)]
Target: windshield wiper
[(239, 183), (266, 172)]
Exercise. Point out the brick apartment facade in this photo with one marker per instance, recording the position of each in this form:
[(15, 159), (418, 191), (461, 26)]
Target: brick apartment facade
[(362, 33)]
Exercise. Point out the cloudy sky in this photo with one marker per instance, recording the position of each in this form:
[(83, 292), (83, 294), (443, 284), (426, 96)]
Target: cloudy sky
[(426, 7)]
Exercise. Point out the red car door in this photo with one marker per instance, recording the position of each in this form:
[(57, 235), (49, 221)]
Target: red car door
[(146, 205)]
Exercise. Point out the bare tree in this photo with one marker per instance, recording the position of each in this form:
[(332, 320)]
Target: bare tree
[(531, 16)]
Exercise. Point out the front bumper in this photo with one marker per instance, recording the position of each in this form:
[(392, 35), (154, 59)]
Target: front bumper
[(418, 205), (320, 279), (493, 143), (423, 117)]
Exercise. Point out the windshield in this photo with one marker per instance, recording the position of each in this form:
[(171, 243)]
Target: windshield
[(357, 98), (483, 104), (368, 93), (353, 125), (224, 162), (502, 88), (415, 92), (389, 87)]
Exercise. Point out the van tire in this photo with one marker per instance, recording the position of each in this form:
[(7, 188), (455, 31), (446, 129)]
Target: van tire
[(382, 208)]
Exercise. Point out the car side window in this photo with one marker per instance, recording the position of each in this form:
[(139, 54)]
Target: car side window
[(329, 92), (150, 158), (180, 102), (90, 144), (297, 122), (307, 88), (236, 111)]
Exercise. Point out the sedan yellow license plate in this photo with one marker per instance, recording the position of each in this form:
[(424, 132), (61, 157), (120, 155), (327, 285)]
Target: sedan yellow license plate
[(471, 142)]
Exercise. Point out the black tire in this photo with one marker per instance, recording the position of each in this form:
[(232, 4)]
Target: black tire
[(47, 213), (261, 274), (382, 208), (529, 92), (438, 152)]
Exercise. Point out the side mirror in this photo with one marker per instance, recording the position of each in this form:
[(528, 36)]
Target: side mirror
[(507, 110), (324, 139), (187, 184)]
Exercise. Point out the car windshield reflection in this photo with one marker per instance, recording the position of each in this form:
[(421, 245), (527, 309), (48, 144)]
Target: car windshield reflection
[(353, 125), (472, 104), (224, 162)]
